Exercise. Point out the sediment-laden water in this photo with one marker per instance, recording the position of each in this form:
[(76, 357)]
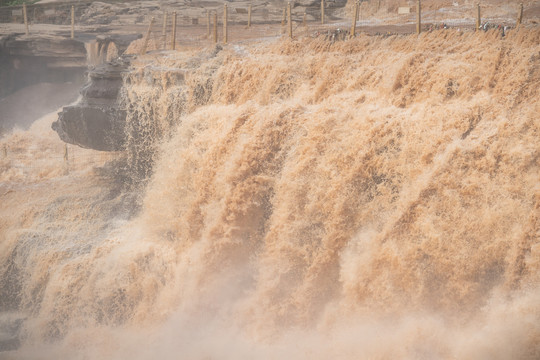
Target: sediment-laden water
[(377, 198)]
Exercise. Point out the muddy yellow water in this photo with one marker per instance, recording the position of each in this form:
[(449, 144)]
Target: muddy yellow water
[(377, 198)]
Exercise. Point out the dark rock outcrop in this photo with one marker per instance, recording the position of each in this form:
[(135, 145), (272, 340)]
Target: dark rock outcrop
[(95, 121)]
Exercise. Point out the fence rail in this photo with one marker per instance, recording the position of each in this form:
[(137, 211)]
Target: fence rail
[(241, 21)]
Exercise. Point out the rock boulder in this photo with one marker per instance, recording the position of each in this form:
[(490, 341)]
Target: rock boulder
[(96, 121)]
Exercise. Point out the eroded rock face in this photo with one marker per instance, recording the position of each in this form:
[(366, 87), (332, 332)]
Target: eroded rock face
[(95, 121), (60, 50), (28, 60)]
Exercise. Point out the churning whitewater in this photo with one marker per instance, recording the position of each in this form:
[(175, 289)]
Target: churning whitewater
[(371, 199)]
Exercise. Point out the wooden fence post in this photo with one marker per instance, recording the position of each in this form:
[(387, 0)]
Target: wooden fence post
[(25, 19), (66, 159), (164, 30), (418, 17), (355, 16), (72, 21), (215, 27), (208, 24), (478, 18), (147, 37), (284, 17), (289, 19), (520, 14), (173, 40), (249, 15), (322, 12), (225, 24)]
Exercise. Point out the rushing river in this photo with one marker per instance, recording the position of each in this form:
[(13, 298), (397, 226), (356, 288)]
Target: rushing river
[(371, 199)]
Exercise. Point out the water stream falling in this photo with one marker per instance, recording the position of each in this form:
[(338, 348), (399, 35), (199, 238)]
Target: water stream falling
[(99, 52), (371, 199)]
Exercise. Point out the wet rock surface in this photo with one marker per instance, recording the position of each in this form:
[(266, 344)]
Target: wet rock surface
[(96, 121)]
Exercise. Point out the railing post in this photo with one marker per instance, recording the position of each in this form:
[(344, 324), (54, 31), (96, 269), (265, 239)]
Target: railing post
[(25, 19), (322, 12), (289, 19), (418, 17), (215, 27), (72, 21), (249, 15), (355, 16), (164, 30), (208, 24), (173, 40), (520, 15), (147, 37), (478, 18), (225, 24), (66, 159)]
